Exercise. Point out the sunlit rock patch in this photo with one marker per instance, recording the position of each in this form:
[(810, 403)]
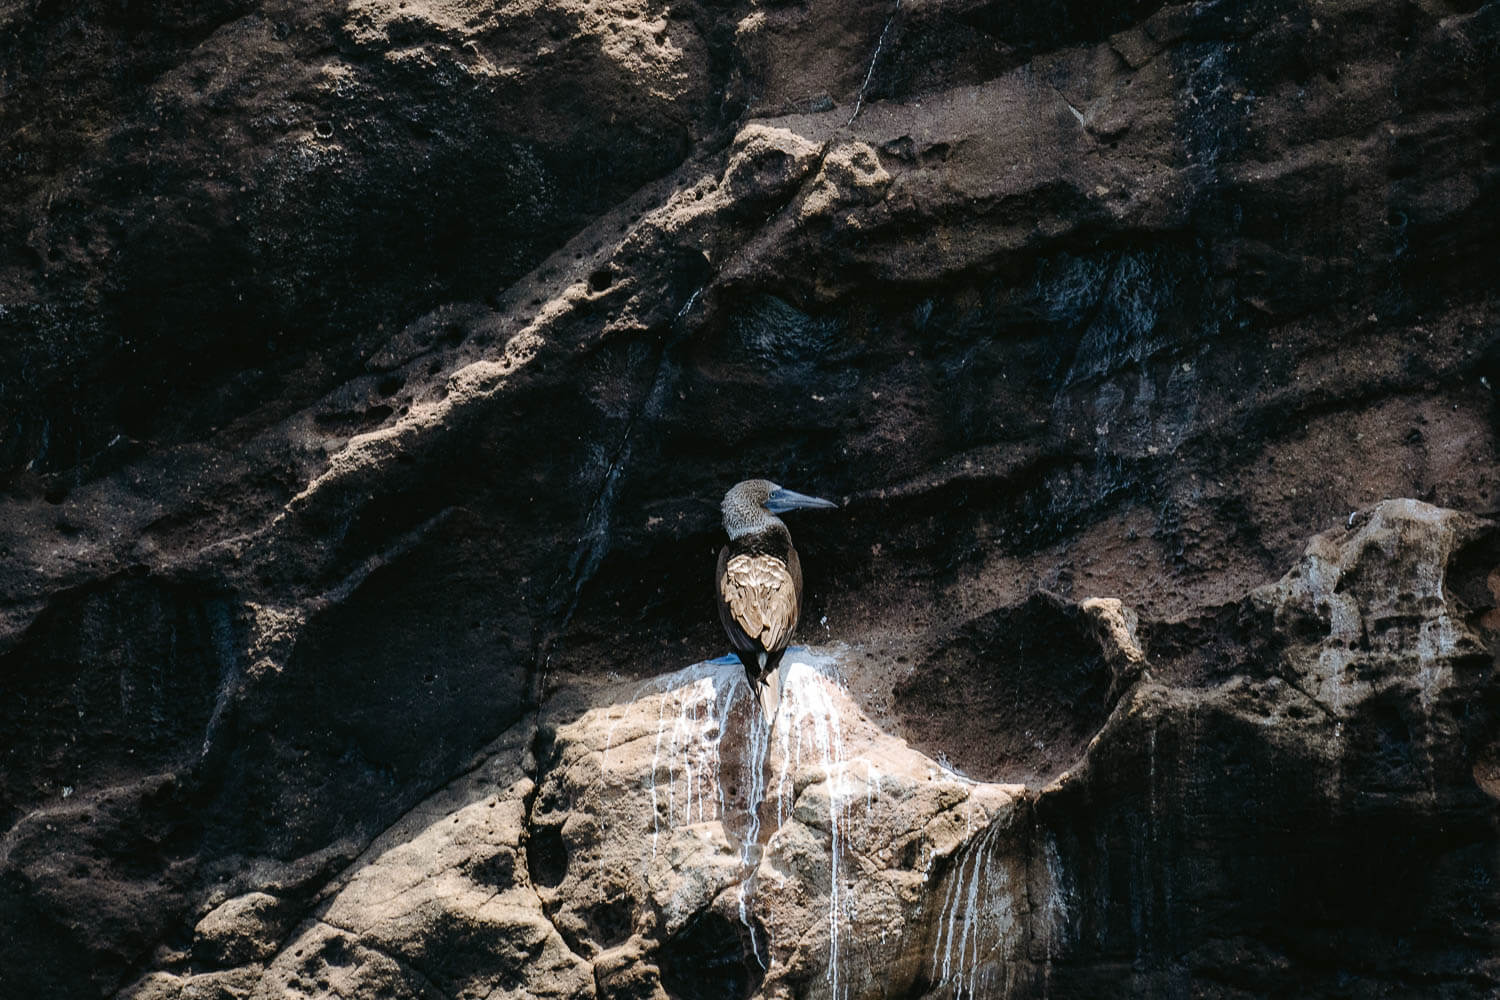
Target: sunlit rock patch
[(852, 864)]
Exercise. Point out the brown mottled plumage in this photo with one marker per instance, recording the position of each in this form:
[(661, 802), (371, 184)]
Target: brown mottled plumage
[(760, 598), (759, 580)]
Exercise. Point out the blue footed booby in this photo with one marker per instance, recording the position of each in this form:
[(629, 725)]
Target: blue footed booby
[(759, 582)]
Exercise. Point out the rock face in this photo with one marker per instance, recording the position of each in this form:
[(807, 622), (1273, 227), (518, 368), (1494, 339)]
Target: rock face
[(370, 373), (671, 843)]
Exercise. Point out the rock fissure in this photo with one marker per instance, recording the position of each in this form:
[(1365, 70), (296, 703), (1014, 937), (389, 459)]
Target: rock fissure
[(1292, 683), (390, 553), (593, 540), (864, 85)]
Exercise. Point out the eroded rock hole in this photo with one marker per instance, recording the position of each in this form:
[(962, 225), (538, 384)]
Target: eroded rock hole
[(611, 921), (1015, 694), (601, 279), (547, 856), (546, 853), (1382, 750), (714, 957)]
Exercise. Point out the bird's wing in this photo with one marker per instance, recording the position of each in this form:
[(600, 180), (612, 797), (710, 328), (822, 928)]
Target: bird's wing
[(741, 642), (760, 595)]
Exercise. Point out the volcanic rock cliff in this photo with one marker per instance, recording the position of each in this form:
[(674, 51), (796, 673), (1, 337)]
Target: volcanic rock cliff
[(371, 371)]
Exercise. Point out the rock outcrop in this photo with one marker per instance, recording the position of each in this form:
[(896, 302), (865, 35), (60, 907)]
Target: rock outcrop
[(369, 372), (670, 843)]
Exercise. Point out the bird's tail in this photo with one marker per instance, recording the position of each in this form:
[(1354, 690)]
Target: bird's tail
[(768, 691)]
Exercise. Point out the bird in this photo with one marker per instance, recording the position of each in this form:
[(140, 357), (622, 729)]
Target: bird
[(759, 581)]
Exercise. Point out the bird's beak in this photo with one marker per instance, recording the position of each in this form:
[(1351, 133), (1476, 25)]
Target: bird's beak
[(780, 501)]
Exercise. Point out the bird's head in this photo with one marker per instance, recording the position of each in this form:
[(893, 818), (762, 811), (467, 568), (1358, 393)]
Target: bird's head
[(753, 505)]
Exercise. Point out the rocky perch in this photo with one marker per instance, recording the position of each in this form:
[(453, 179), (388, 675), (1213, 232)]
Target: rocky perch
[(370, 371), (667, 843)]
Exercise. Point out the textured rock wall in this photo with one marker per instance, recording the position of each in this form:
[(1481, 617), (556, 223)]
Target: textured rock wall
[(370, 373), (1276, 833)]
